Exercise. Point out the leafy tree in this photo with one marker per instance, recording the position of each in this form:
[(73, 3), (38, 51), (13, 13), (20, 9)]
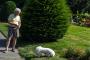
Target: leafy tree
[(45, 20), (19, 3), (77, 5), (7, 9), (87, 8)]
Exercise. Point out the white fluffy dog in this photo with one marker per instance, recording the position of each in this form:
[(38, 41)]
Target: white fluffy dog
[(40, 51)]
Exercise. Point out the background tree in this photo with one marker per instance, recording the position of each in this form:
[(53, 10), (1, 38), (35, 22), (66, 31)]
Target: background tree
[(77, 5), (87, 8), (44, 20), (19, 3), (7, 8)]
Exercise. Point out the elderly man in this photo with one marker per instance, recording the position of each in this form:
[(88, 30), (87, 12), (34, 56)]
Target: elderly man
[(13, 29)]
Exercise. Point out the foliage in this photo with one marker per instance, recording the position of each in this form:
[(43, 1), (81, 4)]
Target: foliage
[(78, 5), (77, 37), (70, 53), (82, 19), (7, 9), (74, 53), (80, 39), (87, 55), (19, 3), (87, 8), (44, 20), (77, 53)]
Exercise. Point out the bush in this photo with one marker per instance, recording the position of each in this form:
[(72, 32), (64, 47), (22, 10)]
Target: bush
[(7, 9), (74, 53), (86, 56), (82, 19), (45, 20), (71, 53)]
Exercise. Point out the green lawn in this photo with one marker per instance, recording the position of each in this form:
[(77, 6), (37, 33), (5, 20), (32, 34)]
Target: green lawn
[(3, 28), (76, 37)]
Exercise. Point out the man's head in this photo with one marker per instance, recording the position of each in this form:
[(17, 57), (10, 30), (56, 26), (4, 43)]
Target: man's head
[(17, 11)]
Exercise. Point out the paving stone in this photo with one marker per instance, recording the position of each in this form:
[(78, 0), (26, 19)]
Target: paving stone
[(10, 55)]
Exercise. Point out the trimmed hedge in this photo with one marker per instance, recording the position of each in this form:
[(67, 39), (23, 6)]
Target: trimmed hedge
[(45, 20)]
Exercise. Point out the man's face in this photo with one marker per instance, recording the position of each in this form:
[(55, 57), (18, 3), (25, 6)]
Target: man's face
[(17, 13)]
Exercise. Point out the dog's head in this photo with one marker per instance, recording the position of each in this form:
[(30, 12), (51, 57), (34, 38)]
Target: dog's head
[(39, 46)]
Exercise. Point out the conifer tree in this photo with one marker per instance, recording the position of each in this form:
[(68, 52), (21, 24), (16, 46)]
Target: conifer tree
[(45, 20)]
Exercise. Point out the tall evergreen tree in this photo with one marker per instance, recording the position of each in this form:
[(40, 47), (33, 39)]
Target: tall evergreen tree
[(45, 20)]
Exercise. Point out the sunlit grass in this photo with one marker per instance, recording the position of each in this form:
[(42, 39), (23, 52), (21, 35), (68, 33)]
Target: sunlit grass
[(4, 28), (76, 37)]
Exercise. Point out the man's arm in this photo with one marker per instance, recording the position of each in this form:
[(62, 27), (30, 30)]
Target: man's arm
[(19, 24)]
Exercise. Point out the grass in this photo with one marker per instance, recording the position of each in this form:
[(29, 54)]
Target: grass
[(76, 37), (3, 28)]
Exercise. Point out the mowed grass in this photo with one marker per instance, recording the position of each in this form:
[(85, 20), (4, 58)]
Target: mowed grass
[(76, 37), (4, 28)]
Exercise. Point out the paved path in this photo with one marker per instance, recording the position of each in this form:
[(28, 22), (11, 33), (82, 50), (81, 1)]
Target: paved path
[(10, 55)]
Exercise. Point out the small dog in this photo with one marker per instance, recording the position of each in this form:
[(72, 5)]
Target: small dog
[(40, 51)]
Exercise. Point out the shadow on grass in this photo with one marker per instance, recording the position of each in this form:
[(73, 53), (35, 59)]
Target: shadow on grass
[(29, 58), (23, 43), (36, 58)]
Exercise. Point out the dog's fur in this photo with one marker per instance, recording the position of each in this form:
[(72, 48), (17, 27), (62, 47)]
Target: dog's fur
[(46, 51)]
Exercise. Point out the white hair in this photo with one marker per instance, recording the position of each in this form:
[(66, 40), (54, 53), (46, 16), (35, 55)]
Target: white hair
[(18, 9)]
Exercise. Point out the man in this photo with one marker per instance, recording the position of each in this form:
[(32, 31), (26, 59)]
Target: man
[(14, 22)]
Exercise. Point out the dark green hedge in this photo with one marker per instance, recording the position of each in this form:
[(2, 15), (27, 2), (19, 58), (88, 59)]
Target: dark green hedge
[(45, 20)]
